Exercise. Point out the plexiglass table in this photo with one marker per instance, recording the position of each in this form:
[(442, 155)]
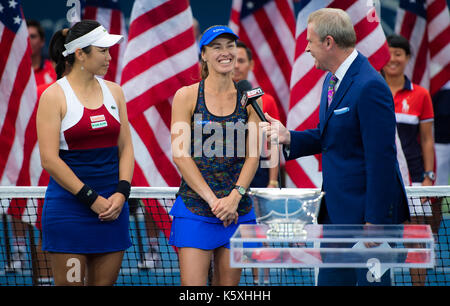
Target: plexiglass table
[(316, 245)]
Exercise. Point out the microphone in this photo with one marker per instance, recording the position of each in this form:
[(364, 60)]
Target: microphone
[(249, 97)]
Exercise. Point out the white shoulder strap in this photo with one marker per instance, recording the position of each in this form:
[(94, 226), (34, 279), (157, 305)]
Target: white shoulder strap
[(74, 108)]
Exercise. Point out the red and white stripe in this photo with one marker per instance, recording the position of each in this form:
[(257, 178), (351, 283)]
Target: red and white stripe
[(161, 57), (429, 38), (306, 80), (31, 174), (17, 99), (17, 104), (113, 20), (269, 32)]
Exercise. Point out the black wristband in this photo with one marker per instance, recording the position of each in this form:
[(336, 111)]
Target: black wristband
[(124, 187), (87, 195)]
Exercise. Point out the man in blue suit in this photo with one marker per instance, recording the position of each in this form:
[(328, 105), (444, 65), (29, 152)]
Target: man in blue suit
[(356, 136)]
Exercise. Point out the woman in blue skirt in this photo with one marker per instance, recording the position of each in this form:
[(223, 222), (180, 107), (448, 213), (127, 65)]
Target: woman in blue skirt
[(212, 149), (85, 146)]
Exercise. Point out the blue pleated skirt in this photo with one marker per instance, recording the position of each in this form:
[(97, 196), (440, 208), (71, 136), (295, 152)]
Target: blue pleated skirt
[(69, 226), (206, 233)]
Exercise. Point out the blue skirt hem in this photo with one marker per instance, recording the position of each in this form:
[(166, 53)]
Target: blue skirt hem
[(206, 233), (96, 251)]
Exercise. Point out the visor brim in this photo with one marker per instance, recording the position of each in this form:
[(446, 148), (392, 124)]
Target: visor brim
[(108, 41)]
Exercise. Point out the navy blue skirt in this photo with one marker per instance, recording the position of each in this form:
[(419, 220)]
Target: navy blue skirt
[(69, 226), (206, 233)]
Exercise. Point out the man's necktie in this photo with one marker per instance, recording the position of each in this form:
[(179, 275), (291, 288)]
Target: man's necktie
[(333, 81)]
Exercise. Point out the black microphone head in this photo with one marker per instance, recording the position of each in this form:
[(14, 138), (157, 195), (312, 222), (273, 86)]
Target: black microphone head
[(243, 86)]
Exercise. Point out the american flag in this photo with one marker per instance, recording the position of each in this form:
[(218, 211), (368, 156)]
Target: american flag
[(109, 15), (268, 28), (161, 56), (426, 24), (18, 95), (306, 80)]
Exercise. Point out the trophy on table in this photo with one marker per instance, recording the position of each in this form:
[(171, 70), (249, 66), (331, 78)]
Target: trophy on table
[(287, 213), (287, 236)]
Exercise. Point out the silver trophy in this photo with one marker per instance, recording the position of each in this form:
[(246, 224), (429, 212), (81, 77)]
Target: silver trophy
[(286, 211)]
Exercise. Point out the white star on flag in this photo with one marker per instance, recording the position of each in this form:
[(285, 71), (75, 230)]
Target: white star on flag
[(12, 4)]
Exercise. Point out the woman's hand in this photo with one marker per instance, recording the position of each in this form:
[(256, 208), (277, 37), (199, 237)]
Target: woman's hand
[(226, 208), (101, 205), (117, 200), (231, 220)]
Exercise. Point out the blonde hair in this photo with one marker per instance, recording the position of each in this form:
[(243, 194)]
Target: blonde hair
[(336, 23)]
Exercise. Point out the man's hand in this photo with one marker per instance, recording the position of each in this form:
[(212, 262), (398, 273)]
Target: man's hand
[(371, 244), (276, 132)]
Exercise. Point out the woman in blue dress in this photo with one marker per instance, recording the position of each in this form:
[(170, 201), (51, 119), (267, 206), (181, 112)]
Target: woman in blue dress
[(212, 149), (85, 145)]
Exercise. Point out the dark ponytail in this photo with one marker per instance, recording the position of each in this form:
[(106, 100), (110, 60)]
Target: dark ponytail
[(56, 48), (65, 36)]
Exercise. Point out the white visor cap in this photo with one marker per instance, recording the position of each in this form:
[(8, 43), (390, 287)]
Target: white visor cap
[(98, 37)]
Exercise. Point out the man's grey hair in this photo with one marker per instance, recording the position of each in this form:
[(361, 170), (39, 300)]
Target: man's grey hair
[(336, 23)]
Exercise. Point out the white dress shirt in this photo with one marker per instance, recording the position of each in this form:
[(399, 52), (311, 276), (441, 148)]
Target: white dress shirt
[(342, 70)]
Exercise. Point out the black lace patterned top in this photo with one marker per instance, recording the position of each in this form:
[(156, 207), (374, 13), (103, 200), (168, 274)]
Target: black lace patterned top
[(218, 150)]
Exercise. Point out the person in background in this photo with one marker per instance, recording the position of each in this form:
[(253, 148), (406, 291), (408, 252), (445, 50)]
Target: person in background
[(44, 71), (212, 200), (414, 116), (85, 145), (264, 177)]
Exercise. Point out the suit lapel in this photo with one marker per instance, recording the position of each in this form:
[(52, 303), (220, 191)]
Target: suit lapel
[(323, 102), (342, 90)]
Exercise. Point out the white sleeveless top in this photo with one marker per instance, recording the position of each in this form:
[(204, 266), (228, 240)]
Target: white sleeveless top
[(75, 108)]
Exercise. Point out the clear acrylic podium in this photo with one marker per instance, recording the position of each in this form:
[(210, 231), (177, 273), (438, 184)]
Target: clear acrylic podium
[(356, 246), (288, 236)]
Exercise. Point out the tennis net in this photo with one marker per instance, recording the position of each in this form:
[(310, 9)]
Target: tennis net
[(152, 262)]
